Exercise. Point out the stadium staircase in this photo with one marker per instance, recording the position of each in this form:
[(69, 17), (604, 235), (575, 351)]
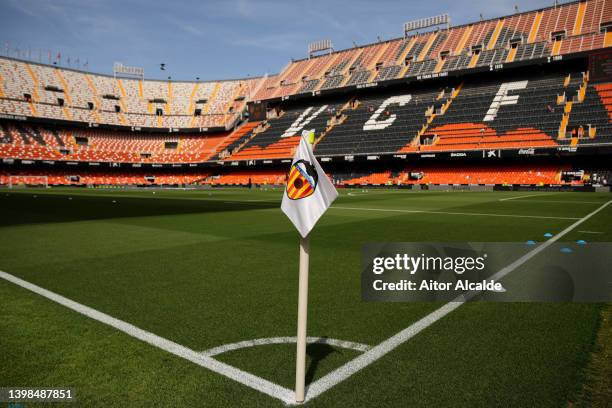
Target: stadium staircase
[(481, 117), (338, 119), (380, 124), (590, 120), (443, 103), (67, 94), (234, 139), (282, 134)]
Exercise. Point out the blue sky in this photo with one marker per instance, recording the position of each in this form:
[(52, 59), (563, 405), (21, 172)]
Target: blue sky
[(215, 39)]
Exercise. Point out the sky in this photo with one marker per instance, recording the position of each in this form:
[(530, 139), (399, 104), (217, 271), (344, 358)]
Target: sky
[(214, 39)]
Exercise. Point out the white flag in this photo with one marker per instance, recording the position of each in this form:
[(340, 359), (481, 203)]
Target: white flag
[(309, 192)]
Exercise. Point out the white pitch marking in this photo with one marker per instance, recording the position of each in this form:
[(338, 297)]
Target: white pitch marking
[(453, 213), (342, 373), (248, 379), (524, 196), (561, 201), (591, 232), (284, 340), (246, 202)]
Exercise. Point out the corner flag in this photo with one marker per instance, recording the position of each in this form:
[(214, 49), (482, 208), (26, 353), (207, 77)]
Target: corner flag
[(308, 193)]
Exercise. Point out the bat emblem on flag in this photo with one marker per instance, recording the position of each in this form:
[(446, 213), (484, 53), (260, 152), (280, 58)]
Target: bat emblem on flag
[(302, 180)]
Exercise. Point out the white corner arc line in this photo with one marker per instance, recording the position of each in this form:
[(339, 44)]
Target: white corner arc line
[(248, 379), (453, 213), (284, 340), (342, 373)]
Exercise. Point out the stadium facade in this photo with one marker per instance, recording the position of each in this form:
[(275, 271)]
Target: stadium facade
[(521, 100)]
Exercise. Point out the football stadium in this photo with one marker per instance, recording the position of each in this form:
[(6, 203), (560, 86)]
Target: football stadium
[(254, 242)]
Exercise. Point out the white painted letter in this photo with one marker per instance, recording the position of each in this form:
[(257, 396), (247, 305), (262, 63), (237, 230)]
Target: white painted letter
[(302, 121), (373, 124), (502, 98)]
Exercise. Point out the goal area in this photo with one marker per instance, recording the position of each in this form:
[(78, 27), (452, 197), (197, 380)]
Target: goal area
[(25, 181)]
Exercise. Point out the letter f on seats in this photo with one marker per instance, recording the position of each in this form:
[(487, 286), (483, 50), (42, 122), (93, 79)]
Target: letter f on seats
[(502, 98)]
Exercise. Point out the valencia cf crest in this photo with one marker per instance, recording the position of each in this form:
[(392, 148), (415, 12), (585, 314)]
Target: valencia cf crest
[(302, 180)]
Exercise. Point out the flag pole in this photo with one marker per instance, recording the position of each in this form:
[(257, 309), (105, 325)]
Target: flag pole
[(300, 366)]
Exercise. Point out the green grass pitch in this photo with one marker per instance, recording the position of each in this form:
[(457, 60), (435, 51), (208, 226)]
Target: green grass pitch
[(208, 268)]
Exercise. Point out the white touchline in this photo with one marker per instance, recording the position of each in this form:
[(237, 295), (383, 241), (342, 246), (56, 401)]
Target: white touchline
[(525, 196), (559, 201), (284, 340), (451, 213), (246, 202), (342, 373), (248, 379)]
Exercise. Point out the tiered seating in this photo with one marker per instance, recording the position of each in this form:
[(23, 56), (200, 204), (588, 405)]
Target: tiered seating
[(372, 179), (479, 114), (270, 177), (567, 28), (140, 177), (534, 174), (39, 143), (594, 111), (282, 136), (508, 112), (558, 19), (520, 174), (466, 136), (381, 124), (605, 94), (337, 71), (26, 142), (389, 64), (220, 102), (235, 139), (466, 174), (479, 118), (473, 45), (79, 177)]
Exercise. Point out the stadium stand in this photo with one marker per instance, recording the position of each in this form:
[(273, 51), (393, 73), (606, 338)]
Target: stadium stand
[(593, 113), (605, 94), (424, 174), (42, 91), (76, 144), (563, 29), (516, 86), (243, 177), (475, 114), (278, 137), (465, 175), (80, 177)]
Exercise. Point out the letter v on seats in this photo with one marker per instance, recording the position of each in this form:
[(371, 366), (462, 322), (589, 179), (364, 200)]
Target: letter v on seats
[(304, 119)]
